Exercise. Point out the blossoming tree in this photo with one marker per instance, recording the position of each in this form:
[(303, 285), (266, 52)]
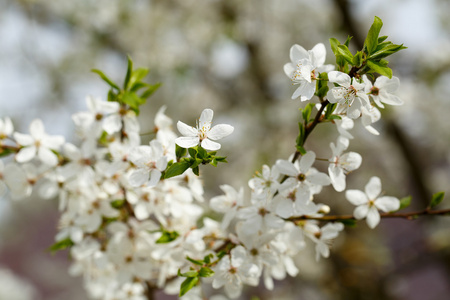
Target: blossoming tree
[(134, 216)]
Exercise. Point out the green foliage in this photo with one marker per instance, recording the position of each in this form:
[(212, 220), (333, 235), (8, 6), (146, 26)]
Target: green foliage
[(6, 151), (198, 156), (322, 85), (135, 92), (349, 222), (117, 204), (188, 284), (61, 245), (436, 199), (371, 58), (405, 202), (167, 236)]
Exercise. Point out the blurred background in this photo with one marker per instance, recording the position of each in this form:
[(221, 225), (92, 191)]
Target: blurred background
[(228, 55)]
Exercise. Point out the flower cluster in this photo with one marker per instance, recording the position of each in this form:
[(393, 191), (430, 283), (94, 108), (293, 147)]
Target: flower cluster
[(134, 216)]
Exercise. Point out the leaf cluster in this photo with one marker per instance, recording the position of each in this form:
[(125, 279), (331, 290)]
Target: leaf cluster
[(197, 156), (193, 275), (371, 59), (134, 91)]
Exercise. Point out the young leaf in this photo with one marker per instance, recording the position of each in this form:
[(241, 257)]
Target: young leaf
[(405, 202), (192, 273), (106, 79), (129, 71), (167, 236), (188, 284), (205, 272), (195, 261), (349, 222), (61, 245), (117, 204), (152, 88), (371, 41), (379, 68), (345, 52), (177, 169), (180, 151), (436, 199)]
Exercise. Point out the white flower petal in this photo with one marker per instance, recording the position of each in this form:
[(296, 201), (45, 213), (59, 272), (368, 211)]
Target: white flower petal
[(297, 52), (286, 167), (340, 78), (206, 117), (186, 130), (47, 156), (319, 54), (289, 69), (373, 217), (387, 203), (307, 161), (220, 131), (187, 141), (23, 139), (361, 211), (210, 145), (37, 130), (319, 178), (26, 154), (373, 188), (138, 177), (356, 197)]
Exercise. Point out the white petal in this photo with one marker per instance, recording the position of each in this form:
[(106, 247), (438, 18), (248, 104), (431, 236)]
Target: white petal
[(187, 141), (319, 54), (37, 129), (285, 207), (356, 197), (373, 217), (297, 52), (138, 177), (206, 117), (23, 139), (220, 131), (186, 130), (319, 178), (361, 211), (112, 124), (337, 177), (340, 78), (155, 176), (302, 195), (210, 145), (238, 256), (387, 203), (26, 154), (307, 161), (289, 69), (373, 188), (351, 161), (47, 156), (286, 167)]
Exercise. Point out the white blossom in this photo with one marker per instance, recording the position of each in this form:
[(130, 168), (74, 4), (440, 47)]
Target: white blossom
[(203, 134)]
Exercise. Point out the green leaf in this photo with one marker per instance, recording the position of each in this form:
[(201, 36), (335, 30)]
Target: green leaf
[(345, 52), (330, 109), (306, 113), (188, 284), (117, 204), (300, 138), (201, 152), (347, 41), (405, 202), (196, 171), (436, 199), (112, 97), (322, 85), (301, 149), (192, 273), (152, 88), (129, 71), (180, 151), (382, 39), (335, 117), (192, 152), (348, 222), (106, 79), (167, 236), (61, 245), (371, 41), (5, 152), (334, 43), (387, 50), (357, 59), (207, 258), (133, 100), (177, 168), (136, 76), (205, 272), (379, 68), (195, 261)]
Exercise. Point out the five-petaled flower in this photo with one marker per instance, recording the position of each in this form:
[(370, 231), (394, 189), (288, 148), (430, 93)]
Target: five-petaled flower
[(203, 134)]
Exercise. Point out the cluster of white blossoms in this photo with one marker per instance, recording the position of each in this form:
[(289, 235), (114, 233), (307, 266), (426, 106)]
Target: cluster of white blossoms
[(132, 228)]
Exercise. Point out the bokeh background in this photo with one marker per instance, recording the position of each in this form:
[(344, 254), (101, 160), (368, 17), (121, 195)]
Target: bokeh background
[(228, 55)]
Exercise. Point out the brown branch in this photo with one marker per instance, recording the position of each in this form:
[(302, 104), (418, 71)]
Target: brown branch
[(409, 216)]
